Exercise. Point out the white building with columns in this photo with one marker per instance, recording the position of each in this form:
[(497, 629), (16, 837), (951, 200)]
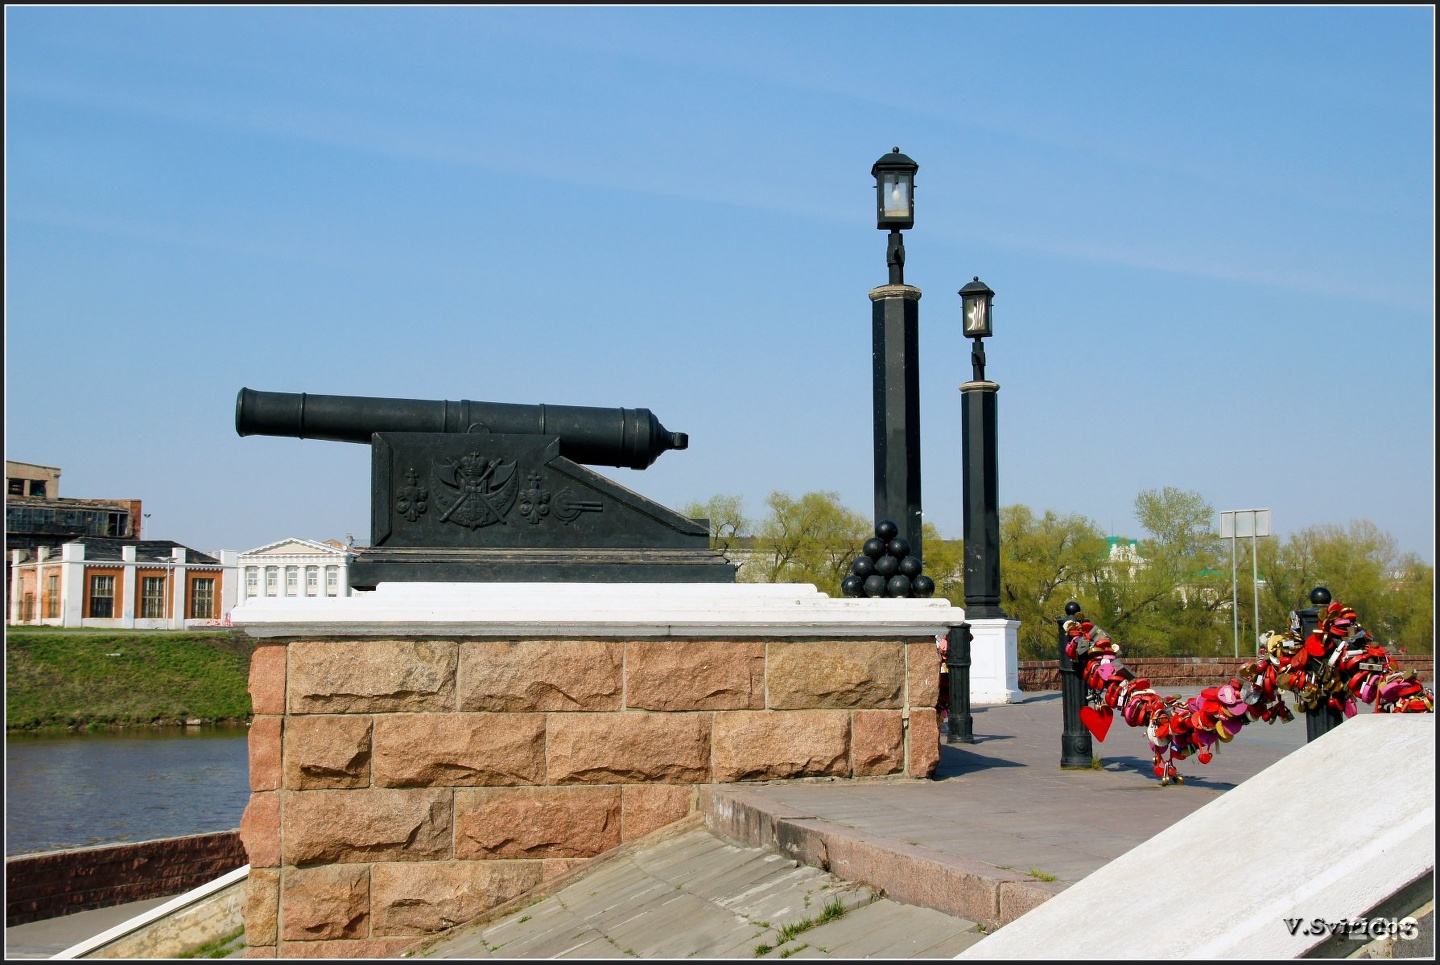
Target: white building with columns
[(295, 567)]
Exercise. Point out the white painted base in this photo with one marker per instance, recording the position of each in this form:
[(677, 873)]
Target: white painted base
[(994, 662), (1328, 832), (601, 610)]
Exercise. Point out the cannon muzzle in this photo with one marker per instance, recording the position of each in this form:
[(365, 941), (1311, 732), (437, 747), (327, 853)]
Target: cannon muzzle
[(630, 438)]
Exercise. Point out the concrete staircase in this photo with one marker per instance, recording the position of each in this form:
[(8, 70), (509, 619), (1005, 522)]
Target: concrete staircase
[(689, 893)]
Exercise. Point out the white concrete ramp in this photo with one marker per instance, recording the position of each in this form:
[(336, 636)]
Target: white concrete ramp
[(1328, 833)]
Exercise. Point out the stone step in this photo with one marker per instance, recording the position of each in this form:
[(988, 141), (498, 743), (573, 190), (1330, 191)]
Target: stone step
[(692, 894)]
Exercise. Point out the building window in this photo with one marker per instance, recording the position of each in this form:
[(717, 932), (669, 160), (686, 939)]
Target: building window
[(52, 597), (312, 581), (252, 581), (37, 488), (292, 581), (102, 597), (272, 581), (152, 598), (202, 599), (117, 525), (332, 581), (15, 487), (27, 608)]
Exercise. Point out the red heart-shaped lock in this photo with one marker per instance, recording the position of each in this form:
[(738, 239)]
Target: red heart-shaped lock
[(1096, 722)]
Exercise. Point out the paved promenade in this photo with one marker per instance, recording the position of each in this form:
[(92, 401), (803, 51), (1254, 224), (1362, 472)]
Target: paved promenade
[(1000, 810), (1004, 801)]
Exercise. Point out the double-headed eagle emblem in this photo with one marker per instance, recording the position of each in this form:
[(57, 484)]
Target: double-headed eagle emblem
[(479, 491)]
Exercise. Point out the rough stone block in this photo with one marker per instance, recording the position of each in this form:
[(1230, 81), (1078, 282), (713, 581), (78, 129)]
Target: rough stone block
[(924, 742), (877, 742), (678, 675), (924, 674), (627, 747), (459, 750), (420, 899), (262, 906), (371, 676), (771, 745), (260, 830), (848, 674), (536, 822), (540, 675), (332, 901), (267, 679), (264, 742), (649, 807), (362, 948), (330, 751), (367, 825), (259, 951)]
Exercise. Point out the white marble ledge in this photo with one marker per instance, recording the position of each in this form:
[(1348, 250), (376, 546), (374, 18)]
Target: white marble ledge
[(594, 610)]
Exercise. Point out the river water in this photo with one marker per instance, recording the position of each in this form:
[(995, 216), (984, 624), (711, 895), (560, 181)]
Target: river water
[(74, 791)]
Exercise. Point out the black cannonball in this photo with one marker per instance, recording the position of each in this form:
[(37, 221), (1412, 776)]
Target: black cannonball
[(899, 547), (910, 566), (863, 566), (899, 585), (886, 566), (887, 530), (874, 548), (874, 585), (852, 585), (922, 586)]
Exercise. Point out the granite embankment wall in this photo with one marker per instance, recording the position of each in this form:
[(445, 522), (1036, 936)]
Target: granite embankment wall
[(59, 883), (1188, 675), (402, 786)]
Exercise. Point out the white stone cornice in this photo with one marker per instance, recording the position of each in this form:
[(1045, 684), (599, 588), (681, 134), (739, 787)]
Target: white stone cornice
[(723, 610)]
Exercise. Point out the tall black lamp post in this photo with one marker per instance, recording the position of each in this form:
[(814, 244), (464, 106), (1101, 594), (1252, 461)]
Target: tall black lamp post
[(977, 441), (895, 356)]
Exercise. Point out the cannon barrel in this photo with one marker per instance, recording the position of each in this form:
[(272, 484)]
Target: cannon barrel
[(630, 438)]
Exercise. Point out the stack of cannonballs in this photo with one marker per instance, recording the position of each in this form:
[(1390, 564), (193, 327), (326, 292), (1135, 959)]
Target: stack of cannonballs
[(887, 568)]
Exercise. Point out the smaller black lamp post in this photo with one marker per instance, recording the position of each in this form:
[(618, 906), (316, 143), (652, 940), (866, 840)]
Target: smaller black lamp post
[(981, 486), (975, 306), (895, 206)]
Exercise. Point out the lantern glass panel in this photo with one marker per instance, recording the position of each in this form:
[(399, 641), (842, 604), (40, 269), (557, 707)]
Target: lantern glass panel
[(895, 193), (977, 316)]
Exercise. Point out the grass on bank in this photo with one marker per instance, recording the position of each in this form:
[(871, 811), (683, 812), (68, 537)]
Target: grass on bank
[(55, 679)]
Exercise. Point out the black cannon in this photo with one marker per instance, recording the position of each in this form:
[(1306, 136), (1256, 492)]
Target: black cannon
[(629, 438), (498, 492)]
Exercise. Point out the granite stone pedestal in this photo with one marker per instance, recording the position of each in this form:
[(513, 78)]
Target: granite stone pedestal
[(425, 752)]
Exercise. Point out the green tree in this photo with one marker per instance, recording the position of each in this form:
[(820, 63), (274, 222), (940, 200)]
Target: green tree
[(1360, 564), (1046, 561), (944, 563), (725, 515), (812, 539), (1171, 598)]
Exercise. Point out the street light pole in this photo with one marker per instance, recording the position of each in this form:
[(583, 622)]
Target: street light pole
[(895, 357), (978, 445)]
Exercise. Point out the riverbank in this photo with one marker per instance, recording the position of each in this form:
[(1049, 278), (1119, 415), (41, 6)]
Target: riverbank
[(67, 680)]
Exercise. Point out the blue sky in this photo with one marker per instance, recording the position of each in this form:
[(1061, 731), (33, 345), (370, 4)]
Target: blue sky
[(1210, 231)]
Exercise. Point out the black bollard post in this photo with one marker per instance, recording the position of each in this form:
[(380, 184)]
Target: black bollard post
[(957, 658), (1323, 719), (1076, 750)]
